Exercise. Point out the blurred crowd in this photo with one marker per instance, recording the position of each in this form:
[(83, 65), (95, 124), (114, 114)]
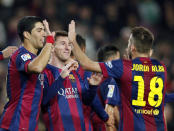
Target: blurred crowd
[(100, 22)]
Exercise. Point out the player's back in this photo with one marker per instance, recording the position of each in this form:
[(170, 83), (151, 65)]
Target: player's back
[(143, 85)]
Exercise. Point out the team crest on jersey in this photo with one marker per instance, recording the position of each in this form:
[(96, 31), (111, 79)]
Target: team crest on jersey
[(69, 93), (109, 64), (72, 78), (26, 57), (111, 90)]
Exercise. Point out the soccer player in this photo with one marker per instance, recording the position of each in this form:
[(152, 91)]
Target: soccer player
[(142, 81), (107, 89), (7, 52), (65, 110), (24, 83), (96, 106)]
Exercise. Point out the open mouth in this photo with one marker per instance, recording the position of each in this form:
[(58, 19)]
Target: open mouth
[(43, 40)]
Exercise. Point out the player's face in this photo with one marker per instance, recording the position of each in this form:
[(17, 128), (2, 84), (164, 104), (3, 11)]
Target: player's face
[(62, 48), (37, 35)]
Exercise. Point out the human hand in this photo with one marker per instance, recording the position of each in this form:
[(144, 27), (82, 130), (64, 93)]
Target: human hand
[(73, 65), (95, 79), (76, 65), (72, 32), (110, 123), (8, 51), (47, 29)]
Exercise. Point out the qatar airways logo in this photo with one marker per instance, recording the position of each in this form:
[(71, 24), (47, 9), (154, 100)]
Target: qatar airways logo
[(69, 93)]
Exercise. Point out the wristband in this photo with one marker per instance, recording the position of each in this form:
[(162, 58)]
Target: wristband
[(1, 56), (50, 39)]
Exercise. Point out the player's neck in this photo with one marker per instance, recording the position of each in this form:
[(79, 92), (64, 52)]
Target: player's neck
[(137, 54), (30, 47), (54, 61)]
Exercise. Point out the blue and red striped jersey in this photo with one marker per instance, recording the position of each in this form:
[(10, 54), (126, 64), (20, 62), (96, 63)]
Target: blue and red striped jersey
[(113, 96), (96, 107), (142, 92), (1, 55), (65, 110), (24, 92), (107, 92)]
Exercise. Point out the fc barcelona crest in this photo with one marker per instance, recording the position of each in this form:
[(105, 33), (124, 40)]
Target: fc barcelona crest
[(72, 78)]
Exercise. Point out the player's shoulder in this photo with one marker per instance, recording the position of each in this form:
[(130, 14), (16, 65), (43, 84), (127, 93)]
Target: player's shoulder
[(126, 60), (51, 70), (157, 62), (22, 53), (112, 63)]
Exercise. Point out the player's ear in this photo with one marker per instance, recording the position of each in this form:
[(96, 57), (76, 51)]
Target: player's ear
[(151, 52), (84, 49), (133, 48), (26, 34)]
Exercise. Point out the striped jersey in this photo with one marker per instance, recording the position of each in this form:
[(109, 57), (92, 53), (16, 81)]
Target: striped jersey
[(142, 92), (64, 112), (107, 93), (24, 91)]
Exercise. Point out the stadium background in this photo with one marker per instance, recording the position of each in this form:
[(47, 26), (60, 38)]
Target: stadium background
[(101, 22)]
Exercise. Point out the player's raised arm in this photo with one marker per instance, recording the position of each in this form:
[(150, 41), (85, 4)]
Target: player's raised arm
[(40, 62), (84, 61)]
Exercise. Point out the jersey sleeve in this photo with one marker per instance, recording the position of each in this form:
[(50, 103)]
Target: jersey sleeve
[(112, 68), (98, 109), (169, 98), (88, 94), (113, 96), (51, 88), (1, 56), (22, 61)]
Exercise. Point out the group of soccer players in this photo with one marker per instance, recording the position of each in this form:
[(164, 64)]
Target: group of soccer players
[(71, 97)]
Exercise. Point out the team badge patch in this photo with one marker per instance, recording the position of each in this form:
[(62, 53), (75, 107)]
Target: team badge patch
[(26, 57), (111, 90), (72, 78), (109, 64)]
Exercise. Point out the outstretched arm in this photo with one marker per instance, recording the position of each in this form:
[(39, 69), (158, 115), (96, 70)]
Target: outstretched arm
[(98, 108), (84, 61), (7, 52)]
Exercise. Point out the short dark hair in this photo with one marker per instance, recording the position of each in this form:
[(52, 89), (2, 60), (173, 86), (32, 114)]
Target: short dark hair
[(27, 23), (106, 51), (143, 39), (80, 40), (61, 33)]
